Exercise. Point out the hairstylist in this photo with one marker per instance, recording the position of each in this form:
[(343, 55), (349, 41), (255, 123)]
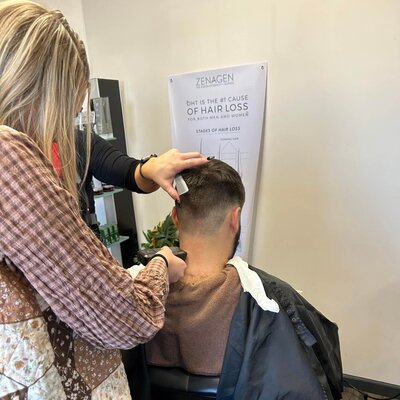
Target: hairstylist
[(65, 304)]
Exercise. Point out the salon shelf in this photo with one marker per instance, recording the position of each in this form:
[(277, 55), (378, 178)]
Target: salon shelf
[(106, 194), (117, 209), (121, 239)]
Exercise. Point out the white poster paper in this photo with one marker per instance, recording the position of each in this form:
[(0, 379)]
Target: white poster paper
[(220, 113)]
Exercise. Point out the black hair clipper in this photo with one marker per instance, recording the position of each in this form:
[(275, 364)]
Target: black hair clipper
[(145, 255)]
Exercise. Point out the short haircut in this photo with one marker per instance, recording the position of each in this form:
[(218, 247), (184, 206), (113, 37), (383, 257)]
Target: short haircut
[(214, 189)]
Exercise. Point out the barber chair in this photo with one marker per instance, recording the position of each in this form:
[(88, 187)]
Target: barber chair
[(177, 384)]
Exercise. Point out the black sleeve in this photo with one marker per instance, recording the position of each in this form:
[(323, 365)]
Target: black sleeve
[(109, 165)]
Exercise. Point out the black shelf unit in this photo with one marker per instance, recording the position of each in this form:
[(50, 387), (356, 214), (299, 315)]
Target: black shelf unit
[(123, 200)]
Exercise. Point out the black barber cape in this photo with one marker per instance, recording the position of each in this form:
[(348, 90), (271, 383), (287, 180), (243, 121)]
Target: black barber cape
[(293, 354)]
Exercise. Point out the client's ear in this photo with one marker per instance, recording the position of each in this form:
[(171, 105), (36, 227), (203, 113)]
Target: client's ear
[(235, 219), (174, 216)]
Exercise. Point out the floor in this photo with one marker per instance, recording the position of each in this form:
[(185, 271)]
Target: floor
[(351, 394)]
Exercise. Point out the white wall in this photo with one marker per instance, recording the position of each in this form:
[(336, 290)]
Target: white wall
[(327, 218)]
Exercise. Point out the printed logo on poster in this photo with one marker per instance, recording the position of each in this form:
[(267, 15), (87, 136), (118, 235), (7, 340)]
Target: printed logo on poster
[(206, 81)]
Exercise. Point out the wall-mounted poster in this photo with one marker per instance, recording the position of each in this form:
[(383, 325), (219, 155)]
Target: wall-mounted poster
[(220, 113)]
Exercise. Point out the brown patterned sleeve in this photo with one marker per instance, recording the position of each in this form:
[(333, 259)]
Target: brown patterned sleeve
[(42, 234)]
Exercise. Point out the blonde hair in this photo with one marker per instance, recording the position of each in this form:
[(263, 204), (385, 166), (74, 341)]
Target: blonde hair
[(44, 74)]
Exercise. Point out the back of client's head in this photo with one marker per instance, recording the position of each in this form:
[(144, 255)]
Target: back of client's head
[(215, 188)]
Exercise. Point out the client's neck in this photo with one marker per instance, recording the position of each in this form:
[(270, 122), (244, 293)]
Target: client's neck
[(207, 255)]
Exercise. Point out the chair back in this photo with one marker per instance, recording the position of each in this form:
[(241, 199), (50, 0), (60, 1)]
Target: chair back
[(177, 384)]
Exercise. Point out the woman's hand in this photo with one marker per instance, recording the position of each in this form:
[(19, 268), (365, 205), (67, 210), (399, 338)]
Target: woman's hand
[(161, 170), (176, 266)]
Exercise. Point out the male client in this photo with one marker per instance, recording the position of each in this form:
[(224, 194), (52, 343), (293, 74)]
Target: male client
[(227, 319)]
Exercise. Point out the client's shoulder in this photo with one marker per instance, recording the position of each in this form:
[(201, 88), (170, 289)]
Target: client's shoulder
[(271, 280), (281, 290)]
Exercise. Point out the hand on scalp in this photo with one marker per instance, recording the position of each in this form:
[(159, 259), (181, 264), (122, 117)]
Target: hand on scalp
[(163, 169)]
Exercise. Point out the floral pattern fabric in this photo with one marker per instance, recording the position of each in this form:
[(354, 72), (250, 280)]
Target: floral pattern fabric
[(41, 357)]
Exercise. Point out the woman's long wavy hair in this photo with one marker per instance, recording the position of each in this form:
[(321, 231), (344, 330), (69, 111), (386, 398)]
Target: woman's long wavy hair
[(44, 77)]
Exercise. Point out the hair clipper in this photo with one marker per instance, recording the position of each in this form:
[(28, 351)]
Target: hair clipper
[(145, 255)]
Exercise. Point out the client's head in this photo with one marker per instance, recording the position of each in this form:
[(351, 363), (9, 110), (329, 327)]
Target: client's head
[(213, 202)]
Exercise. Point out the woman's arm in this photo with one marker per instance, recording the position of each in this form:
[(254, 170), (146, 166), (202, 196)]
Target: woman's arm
[(110, 165), (42, 234)]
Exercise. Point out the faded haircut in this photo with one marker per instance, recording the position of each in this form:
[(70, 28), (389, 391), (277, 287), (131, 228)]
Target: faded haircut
[(214, 189)]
